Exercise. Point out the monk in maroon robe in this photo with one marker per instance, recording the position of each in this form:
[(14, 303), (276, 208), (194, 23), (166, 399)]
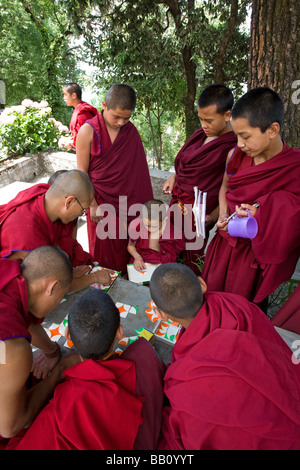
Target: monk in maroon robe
[(28, 291), (119, 399), (266, 171), (201, 163), (110, 150), (83, 111), (44, 215), (153, 238), (231, 383)]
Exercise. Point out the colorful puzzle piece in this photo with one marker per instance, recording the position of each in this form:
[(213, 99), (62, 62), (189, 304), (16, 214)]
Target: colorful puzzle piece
[(150, 312), (57, 333), (168, 331), (124, 309)]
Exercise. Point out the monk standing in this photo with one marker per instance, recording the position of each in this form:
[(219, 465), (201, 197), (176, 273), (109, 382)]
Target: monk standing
[(201, 163), (28, 291), (109, 149), (44, 215), (262, 170), (82, 111), (232, 383)]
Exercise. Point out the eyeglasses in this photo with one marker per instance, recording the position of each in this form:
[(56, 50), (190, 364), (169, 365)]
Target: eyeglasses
[(84, 211)]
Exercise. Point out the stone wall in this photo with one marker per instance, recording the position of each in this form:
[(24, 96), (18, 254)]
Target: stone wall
[(33, 167)]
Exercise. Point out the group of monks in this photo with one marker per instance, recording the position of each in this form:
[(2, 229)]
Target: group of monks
[(232, 382)]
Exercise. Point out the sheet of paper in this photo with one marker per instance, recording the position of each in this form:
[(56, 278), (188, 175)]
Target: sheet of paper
[(199, 211), (141, 277)]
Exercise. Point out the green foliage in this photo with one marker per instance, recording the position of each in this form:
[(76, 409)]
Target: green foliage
[(29, 128), (37, 52)]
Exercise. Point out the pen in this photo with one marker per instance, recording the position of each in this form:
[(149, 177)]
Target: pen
[(232, 215)]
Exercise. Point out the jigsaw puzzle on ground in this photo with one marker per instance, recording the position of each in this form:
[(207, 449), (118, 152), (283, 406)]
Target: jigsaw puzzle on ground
[(166, 331)]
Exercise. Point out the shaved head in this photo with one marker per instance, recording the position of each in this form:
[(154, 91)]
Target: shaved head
[(47, 262), (74, 183), (121, 96), (176, 290)]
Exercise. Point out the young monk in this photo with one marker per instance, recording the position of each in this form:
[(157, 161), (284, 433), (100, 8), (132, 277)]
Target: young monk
[(28, 291), (44, 215), (201, 163), (231, 383), (109, 149), (152, 238), (264, 170), (72, 95), (118, 399)]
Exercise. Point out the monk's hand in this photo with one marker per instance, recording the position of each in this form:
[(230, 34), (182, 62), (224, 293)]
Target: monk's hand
[(222, 223), (67, 361), (139, 263), (79, 271), (96, 214), (102, 277), (168, 185), (242, 211), (42, 365)]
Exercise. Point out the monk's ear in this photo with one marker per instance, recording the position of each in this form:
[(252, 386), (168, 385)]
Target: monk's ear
[(69, 201), (164, 316), (119, 333), (274, 130), (227, 116), (104, 105), (67, 334), (52, 285), (202, 284)]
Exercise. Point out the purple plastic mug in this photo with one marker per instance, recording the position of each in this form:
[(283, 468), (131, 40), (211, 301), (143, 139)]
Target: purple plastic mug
[(245, 227)]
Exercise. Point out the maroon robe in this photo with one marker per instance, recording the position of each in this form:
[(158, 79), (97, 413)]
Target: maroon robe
[(288, 316), (24, 226), (15, 318), (171, 243), (256, 268), (118, 169), (113, 404), (82, 113), (231, 384), (202, 166)]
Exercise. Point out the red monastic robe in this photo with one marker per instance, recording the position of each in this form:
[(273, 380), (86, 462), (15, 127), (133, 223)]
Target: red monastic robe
[(15, 318), (288, 316), (231, 383), (82, 113), (202, 166), (102, 405), (171, 243), (24, 226), (256, 268), (118, 169)]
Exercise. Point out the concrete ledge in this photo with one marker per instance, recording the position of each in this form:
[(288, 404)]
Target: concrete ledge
[(31, 167)]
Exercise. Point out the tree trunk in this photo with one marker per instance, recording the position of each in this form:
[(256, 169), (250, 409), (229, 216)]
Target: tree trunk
[(275, 57)]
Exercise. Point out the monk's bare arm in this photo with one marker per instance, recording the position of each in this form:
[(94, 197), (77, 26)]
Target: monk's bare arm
[(17, 406), (83, 155), (223, 206), (83, 147)]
